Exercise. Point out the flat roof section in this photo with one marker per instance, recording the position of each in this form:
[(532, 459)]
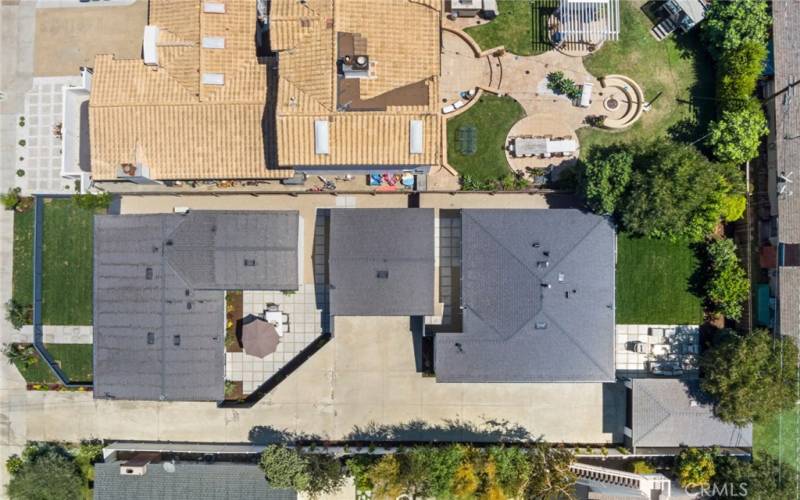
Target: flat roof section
[(381, 262), (537, 293)]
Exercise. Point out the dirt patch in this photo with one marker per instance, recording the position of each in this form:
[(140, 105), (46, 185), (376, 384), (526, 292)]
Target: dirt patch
[(69, 38), (234, 310)]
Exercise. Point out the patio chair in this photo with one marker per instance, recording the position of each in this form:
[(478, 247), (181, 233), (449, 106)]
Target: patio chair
[(637, 346), (286, 328)]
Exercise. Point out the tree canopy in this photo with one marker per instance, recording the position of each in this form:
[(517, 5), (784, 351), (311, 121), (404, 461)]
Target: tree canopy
[(763, 478), (606, 174), (728, 25), (694, 467), (49, 476), (727, 286), (750, 377), (736, 136), (311, 473)]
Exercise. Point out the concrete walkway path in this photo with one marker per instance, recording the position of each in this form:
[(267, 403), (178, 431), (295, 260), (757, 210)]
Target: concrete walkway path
[(54, 334)]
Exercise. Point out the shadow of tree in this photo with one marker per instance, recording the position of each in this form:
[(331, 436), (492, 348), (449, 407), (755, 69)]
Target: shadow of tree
[(266, 434), (489, 430)]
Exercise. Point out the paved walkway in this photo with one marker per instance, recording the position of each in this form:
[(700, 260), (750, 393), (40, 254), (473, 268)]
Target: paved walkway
[(17, 27), (54, 334)]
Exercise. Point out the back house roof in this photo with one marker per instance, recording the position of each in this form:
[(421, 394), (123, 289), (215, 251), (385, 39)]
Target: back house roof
[(537, 293), (381, 262)]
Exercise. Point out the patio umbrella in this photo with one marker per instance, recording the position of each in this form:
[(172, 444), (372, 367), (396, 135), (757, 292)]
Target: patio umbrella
[(259, 338)]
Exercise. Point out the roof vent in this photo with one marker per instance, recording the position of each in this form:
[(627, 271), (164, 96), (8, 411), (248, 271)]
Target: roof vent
[(561, 277), (151, 338), (383, 275), (540, 325), (459, 347), (148, 273), (542, 264), (249, 262), (176, 340)]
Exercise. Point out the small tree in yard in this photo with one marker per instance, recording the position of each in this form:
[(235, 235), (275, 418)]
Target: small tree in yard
[(733, 207), (744, 376), (549, 473), (11, 199), (561, 85), (47, 477), (736, 136), (312, 473), (728, 286), (17, 314), (695, 467), (763, 478), (20, 354), (606, 173), (728, 25), (739, 71)]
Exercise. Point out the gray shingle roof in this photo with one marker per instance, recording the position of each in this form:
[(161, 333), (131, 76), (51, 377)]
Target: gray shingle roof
[(664, 415), (196, 481), (786, 40), (366, 242), (515, 328), (156, 336)]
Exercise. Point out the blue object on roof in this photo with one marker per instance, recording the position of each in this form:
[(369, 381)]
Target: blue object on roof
[(769, 64), (762, 305)]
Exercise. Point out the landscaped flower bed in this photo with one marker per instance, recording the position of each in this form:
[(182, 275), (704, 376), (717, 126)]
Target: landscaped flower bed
[(234, 311)]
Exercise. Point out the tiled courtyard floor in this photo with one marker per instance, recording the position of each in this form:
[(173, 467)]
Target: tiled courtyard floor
[(681, 347)]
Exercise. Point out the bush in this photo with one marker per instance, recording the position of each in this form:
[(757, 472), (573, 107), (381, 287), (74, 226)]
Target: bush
[(738, 73), (764, 477), (745, 378), (310, 473), (641, 467), (17, 314), (675, 192), (92, 201), (729, 25), (23, 354), (733, 207), (694, 467), (561, 85), (46, 477), (14, 464), (736, 136), (605, 176), (11, 199), (727, 286)]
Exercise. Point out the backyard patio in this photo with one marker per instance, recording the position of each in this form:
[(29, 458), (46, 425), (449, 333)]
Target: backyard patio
[(657, 350)]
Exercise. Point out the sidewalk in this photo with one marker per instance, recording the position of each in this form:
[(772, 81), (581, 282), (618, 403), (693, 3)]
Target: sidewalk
[(54, 334)]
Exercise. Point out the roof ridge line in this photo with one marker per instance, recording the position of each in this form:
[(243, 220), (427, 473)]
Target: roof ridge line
[(574, 247), (577, 344), (667, 414)]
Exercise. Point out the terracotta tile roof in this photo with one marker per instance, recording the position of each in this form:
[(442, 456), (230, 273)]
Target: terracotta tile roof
[(402, 39), (164, 118)]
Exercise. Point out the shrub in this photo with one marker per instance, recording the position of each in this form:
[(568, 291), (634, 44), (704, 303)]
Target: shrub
[(745, 378), (22, 142), (230, 388), (11, 199), (50, 476), (23, 354), (17, 314), (736, 136), (764, 477), (311, 473), (728, 25), (641, 467), (738, 72), (733, 207), (561, 85), (606, 173), (727, 286), (359, 467), (694, 467), (14, 464), (92, 201)]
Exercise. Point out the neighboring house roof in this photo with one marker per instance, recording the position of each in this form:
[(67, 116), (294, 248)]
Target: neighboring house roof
[(381, 262), (370, 119), (164, 118), (159, 309), (198, 481), (786, 40), (668, 413), (537, 295)]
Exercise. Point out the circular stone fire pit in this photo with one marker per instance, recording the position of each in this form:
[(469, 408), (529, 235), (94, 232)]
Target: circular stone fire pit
[(611, 103)]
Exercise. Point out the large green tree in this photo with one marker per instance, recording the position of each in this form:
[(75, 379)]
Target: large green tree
[(750, 377), (736, 136), (312, 473), (549, 475), (763, 478), (694, 467), (675, 192), (605, 176), (49, 476), (728, 25), (738, 73), (727, 286)]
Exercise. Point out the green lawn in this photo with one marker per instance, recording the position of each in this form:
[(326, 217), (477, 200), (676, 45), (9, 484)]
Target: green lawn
[(22, 273), (521, 27), (75, 361), (653, 282), (492, 117), (678, 68), (778, 437), (67, 264)]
